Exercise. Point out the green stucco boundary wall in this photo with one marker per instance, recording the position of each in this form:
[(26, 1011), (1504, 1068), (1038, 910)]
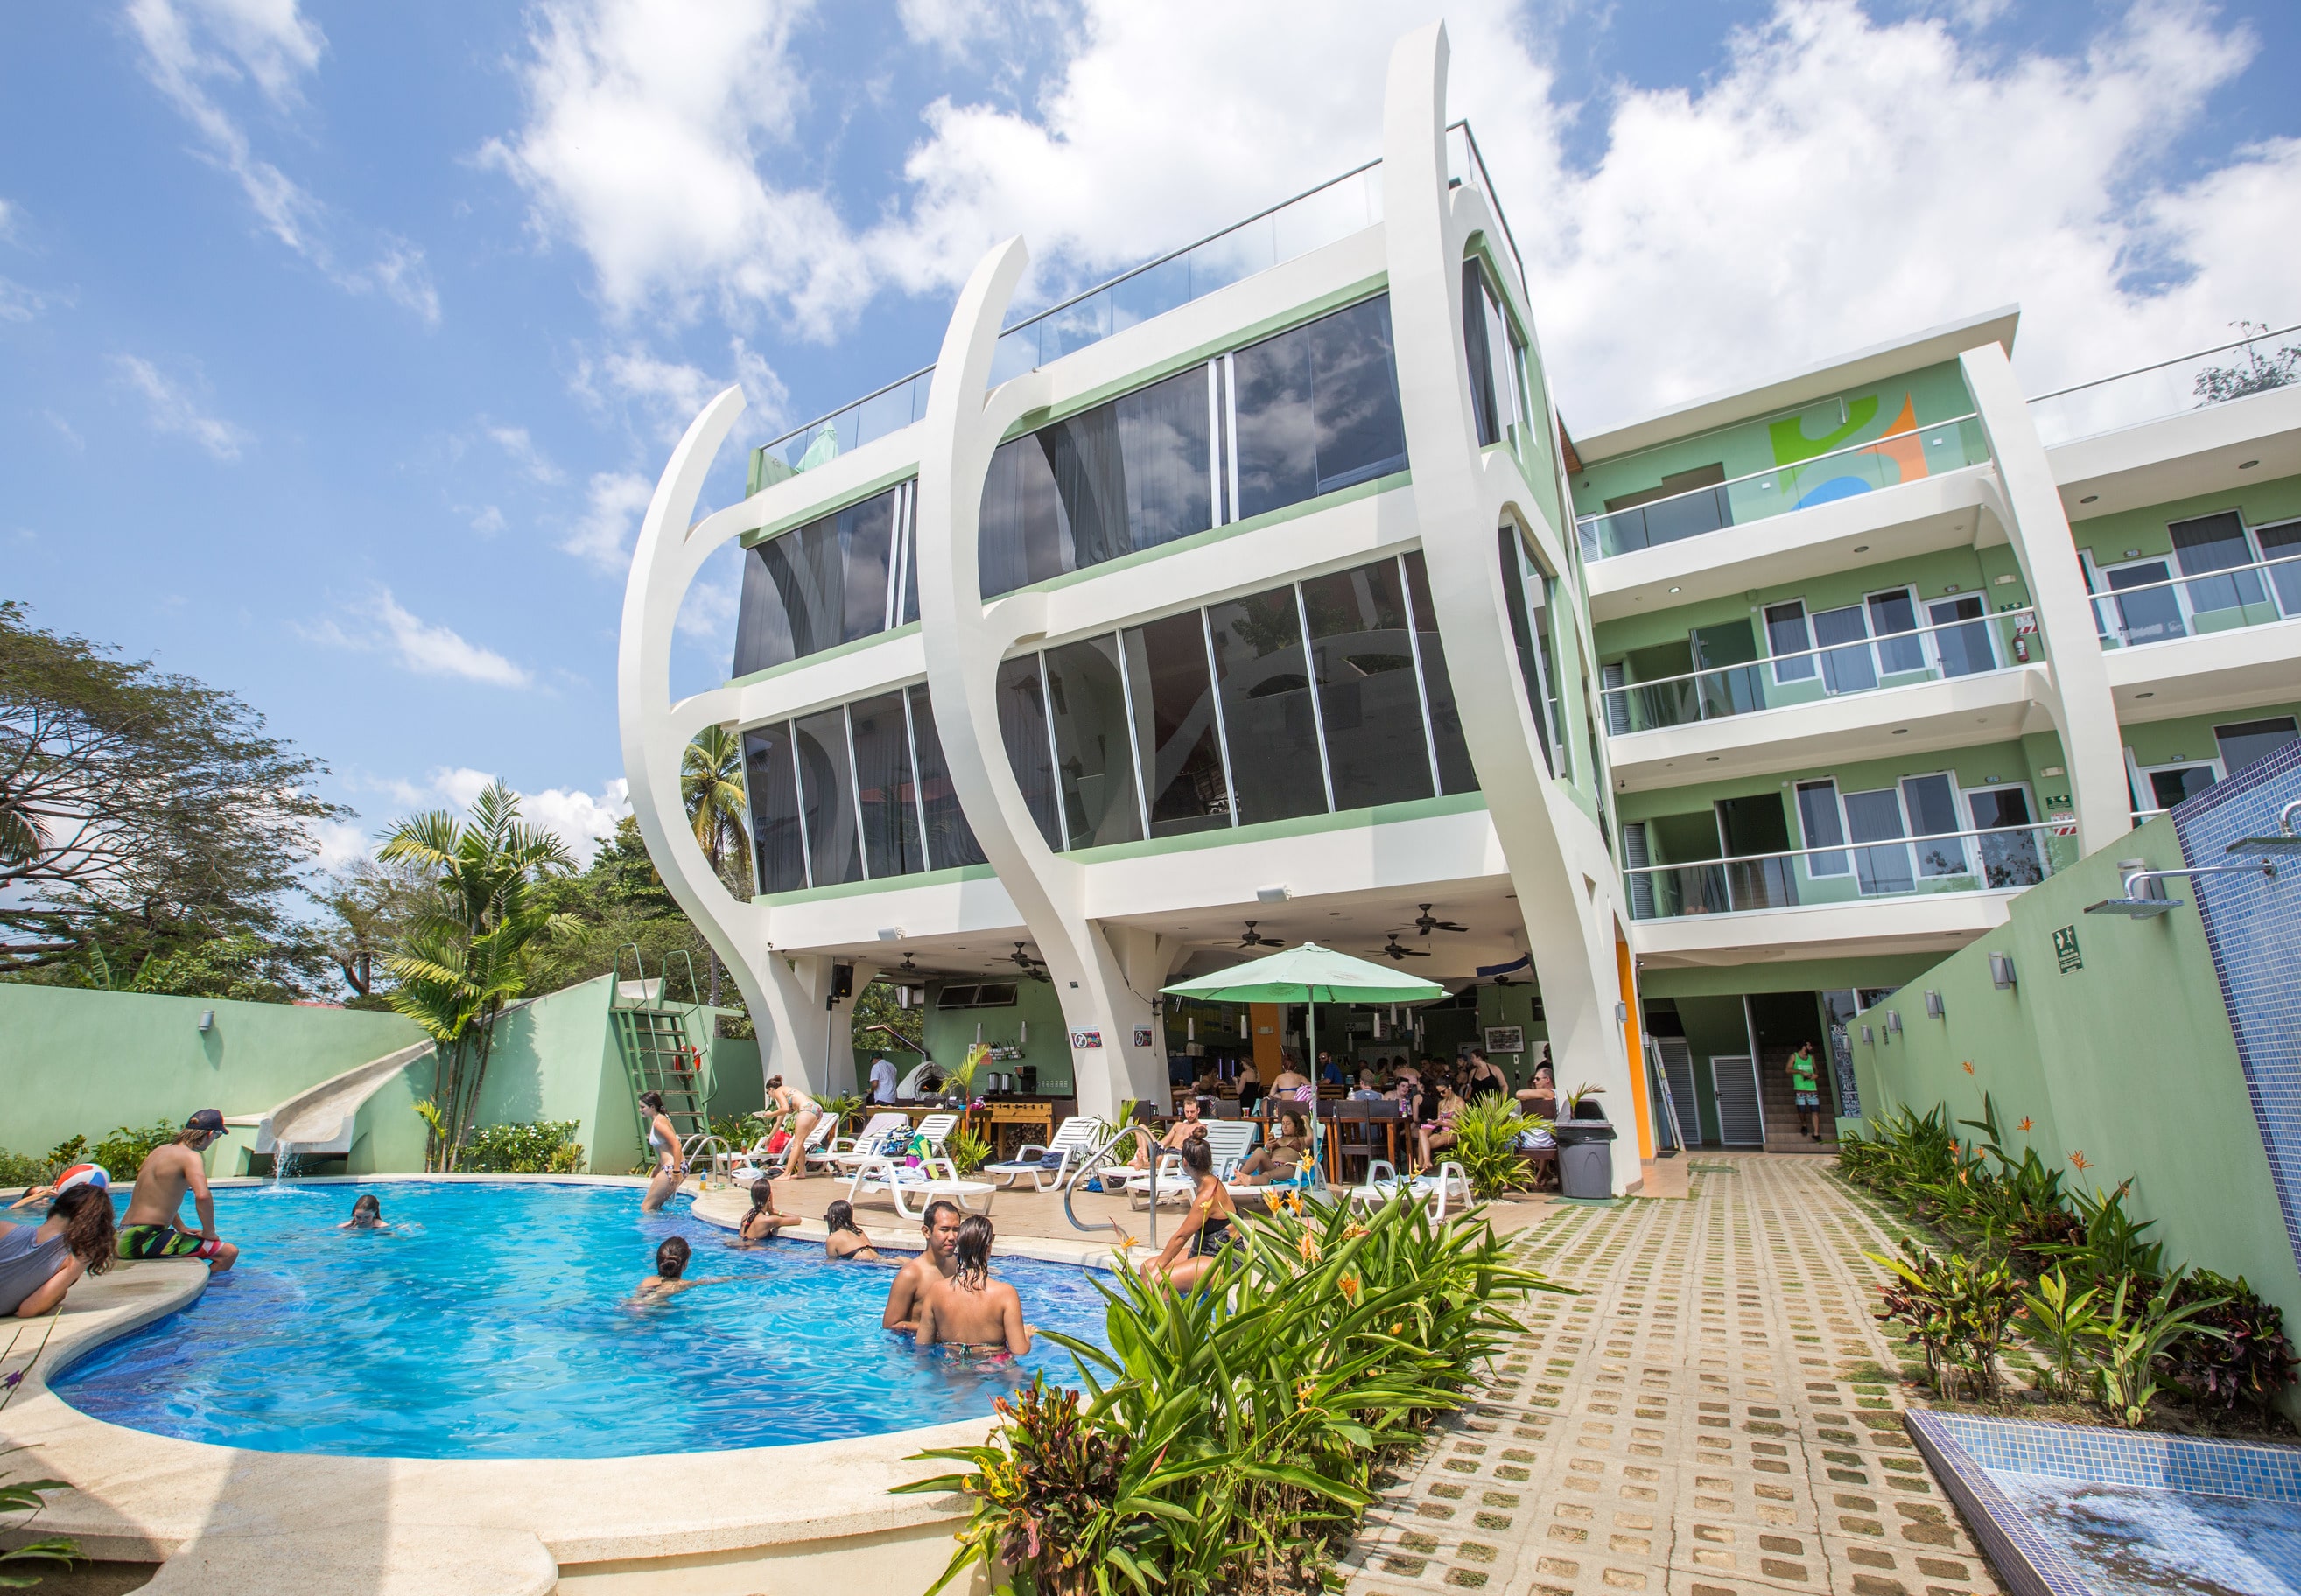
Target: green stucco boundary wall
[(78, 1062), (2128, 1060)]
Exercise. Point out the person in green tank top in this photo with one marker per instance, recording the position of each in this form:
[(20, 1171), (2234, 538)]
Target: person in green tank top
[(1805, 1090)]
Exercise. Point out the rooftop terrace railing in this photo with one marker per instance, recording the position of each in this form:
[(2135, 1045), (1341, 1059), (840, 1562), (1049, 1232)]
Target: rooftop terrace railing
[(2182, 606), (1998, 859), (1963, 647), (2185, 382), (1286, 231), (1842, 473)]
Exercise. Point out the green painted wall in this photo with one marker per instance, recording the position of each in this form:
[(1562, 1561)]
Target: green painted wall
[(2168, 742), (950, 1033), (1935, 393), (2128, 1060), (2145, 530), (1513, 1005), (1801, 975)]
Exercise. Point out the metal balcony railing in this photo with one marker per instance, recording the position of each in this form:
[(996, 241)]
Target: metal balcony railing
[(2181, 607), (1841, 473), (2236, 370), (1998, 859), (1965, 648)]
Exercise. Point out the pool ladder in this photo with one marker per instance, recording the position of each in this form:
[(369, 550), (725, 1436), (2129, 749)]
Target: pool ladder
[(1107, 1154)]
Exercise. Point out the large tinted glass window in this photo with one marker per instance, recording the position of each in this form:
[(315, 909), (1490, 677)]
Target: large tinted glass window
[(1094, 762), (827, 792), (772, 784), (1455, 772), (1175, 725), (816, 586), (883, 795), (1318, 409), (1265, 683), (950, 840), (1022, 727), (1530, 629), (1363, 653), (1123, 476)]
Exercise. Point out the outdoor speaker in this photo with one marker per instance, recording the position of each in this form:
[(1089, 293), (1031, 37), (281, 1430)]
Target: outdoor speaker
[(842, 982)]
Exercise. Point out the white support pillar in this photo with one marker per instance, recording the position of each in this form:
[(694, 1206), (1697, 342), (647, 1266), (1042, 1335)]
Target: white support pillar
[(1565, 880), (2081, 703)]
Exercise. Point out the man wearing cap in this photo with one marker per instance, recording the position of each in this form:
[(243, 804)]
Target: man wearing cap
[(150, 1229)]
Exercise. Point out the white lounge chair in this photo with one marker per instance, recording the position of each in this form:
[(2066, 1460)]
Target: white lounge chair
[(934, 1176), (1075, 1140), (1449, 1184), (846, 1153), (1317, 1185), (1228, 1140)]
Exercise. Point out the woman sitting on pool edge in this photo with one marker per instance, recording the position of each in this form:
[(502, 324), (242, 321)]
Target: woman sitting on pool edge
[(765, 1220), (670, 1267), (972, 1314), (846, 1238), (38, 1264)]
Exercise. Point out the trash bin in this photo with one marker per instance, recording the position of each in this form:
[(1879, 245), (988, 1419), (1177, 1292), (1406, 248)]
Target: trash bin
[(1586, 1158)]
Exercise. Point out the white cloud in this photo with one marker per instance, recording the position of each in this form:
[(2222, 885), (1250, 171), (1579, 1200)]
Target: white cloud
[(668, 393), (19, 303), (194, 52), (530, 460), (384, 625), (650, 133), (338, 843), (175, 409), (580, 819), (602, 534), (488, 521)]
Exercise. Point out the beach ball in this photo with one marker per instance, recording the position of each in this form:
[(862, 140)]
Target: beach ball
[(84, 1175)]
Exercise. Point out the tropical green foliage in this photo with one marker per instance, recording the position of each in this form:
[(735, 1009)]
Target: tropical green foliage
[(464, 957), (2061, 1323), (2244, 1369), (122, 1153), (1956, 1310), (968, 1152), (547, 1146), (1486, 1145), (24, 1496), (1231, 1434), (2131, 1342)]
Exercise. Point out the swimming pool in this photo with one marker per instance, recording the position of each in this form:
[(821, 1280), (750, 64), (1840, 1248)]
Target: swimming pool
[(494, 1324)]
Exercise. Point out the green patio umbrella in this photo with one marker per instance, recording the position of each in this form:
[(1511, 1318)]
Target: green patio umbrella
[(1310, 975)]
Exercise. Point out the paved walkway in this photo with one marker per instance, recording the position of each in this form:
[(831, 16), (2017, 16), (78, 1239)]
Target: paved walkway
[(1713, 1417)]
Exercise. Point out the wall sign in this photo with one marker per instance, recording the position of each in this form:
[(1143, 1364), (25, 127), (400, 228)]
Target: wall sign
[(1142, 1036), (2065, 949), (1086, 1039), (1505, 1039)]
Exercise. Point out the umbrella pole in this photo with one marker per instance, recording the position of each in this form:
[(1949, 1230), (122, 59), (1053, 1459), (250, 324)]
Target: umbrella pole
[(1312, 1071)]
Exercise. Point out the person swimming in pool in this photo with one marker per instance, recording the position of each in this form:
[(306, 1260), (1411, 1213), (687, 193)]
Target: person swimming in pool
[(972, 1314), (664, 1137), (669, 1278), (940, 1228), (846, 1238), (367, 1213), (765, 1220)]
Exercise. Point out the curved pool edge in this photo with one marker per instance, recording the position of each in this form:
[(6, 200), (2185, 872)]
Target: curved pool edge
[(809, 1510)]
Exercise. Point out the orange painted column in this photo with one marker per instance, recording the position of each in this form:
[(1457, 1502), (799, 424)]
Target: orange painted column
[(1264, 1019), (1634, 1039)]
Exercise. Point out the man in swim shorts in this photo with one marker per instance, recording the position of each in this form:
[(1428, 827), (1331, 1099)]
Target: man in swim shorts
[(152, 1227), (940, 1228)]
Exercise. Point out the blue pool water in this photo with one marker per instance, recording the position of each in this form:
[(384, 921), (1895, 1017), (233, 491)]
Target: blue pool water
[(494, 1323)]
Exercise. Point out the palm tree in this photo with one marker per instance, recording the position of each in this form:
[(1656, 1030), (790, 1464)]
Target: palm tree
[(463, 958), (711, 784)]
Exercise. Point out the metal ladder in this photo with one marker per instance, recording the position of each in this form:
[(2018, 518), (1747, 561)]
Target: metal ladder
[(658, 1055)]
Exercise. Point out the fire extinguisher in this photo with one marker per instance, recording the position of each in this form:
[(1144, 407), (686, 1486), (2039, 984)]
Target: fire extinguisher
[(2021, 647)]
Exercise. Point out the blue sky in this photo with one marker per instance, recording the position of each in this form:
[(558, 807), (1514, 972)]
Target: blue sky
[(340, 346)]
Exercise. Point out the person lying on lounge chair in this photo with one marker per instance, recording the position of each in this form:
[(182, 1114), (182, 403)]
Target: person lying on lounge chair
[(1281, 1157)]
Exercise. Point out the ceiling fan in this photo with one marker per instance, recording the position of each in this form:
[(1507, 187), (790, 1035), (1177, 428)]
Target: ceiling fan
[(1427, 922), (1255, 939), (907, 967), (1024, 960), (1398, 952)]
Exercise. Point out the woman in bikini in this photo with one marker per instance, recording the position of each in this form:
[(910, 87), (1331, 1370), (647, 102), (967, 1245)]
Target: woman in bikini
[(1204, 1230), (664, 1139), (846, 1238), (763, 1220), (801, 1111), (977, 1318), (1281, 1157)]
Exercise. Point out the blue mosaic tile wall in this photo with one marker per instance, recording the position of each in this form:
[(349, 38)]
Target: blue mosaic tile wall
[(2253, 925), (2163, 1462)]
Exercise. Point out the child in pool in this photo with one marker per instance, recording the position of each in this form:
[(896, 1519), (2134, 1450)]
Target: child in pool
[(367, 1213), (765, 1220), (846, 1240), (670, 1267)]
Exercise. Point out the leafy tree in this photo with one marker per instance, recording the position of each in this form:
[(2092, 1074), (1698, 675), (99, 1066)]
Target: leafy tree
[(464, 959), (372, 905), (139, 810), (2251, 375), (711, 785)]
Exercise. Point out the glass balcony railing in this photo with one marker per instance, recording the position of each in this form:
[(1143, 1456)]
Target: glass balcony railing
[(1310, 220), (1842, 473), (1995, 860), (2232, 371), (1961, 647), (2183, 606)]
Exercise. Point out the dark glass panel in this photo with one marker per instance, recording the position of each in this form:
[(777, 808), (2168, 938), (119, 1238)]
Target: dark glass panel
[(911, 610), (1484, 408), (883, 775), (772, 784), (1455, 772), (816, 586), (1022, 538), (1266, 705), (1524, 631), (1180, 758), (1095, 764), (827, 790), (950, 839), (1362, 648), (1022, 727), (1162, 439), (1318, 409)]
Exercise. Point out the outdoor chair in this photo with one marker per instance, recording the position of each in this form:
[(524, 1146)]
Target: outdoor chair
[(844, 1153), (934, 1176), (1075, 1140), (1229, 1140), (1451, 1183), (754, 1161)]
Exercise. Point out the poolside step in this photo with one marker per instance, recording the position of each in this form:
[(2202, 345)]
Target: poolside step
[(372, 1556)]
